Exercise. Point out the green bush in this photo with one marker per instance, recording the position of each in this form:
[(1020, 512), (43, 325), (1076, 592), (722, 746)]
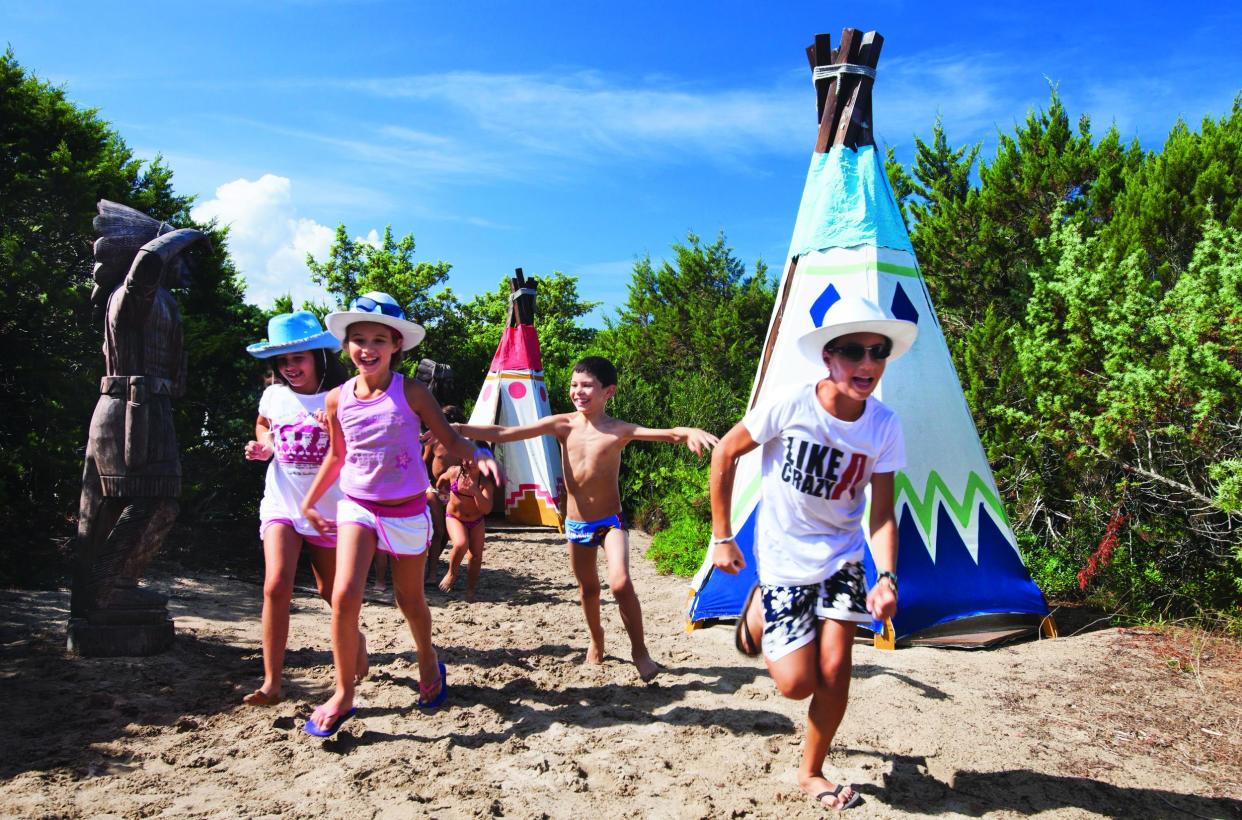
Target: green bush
[(679, 550), (679, 547)]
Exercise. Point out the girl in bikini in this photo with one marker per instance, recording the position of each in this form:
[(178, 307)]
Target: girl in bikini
[(468, 499), (438, 459)]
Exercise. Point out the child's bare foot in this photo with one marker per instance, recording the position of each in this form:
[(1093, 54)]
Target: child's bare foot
[(471, 596), (364, 660), (446, 583), (594, 655), (828, 795), (647, 668), (261, 697)]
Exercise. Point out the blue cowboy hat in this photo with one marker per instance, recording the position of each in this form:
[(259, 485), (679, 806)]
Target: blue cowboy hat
[(292, 332), (376, 307)]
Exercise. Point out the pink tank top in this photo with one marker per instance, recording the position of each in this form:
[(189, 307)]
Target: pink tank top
[(383, 458)]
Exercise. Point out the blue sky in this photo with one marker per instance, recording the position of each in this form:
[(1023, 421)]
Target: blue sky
[(575, 136)]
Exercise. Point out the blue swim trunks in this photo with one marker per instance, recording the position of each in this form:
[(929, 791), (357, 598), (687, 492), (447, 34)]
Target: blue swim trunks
[(591, 533)]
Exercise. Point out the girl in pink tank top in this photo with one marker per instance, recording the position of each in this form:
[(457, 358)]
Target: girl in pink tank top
[(374, 423)]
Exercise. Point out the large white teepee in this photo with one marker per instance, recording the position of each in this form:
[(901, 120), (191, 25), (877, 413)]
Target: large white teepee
[(514, 393), (962, 579)]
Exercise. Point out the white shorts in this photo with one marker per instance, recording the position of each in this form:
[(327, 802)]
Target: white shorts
[(395, 536)]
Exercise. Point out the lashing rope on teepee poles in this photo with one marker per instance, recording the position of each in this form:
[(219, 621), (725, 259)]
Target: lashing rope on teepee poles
[(830, 72)]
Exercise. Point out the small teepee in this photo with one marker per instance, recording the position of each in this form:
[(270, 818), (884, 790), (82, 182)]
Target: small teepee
[(514, 393), (962, 579)]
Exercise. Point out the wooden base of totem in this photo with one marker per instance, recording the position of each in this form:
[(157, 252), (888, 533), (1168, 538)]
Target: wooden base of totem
[(121, 633)]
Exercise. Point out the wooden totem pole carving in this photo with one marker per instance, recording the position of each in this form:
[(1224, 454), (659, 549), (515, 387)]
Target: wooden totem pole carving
[(132, 476)]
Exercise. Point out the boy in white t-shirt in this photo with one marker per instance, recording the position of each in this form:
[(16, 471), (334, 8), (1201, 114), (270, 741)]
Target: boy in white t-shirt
[(823, 443)]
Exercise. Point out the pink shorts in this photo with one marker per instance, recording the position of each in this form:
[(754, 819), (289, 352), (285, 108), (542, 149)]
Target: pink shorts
[(315, 540)]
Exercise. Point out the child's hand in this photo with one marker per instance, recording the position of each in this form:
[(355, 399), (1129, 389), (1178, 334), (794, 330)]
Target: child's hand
[(258, 451), (726, 557), (321, 416), (325, 527), (882, 601), (488, 466), (700, 441)]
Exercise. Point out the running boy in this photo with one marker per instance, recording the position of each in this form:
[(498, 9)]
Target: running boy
[(822, 444), (591, 445)]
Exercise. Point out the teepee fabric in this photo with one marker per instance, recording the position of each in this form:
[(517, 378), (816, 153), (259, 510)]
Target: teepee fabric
[(958, 562), (513, 394)]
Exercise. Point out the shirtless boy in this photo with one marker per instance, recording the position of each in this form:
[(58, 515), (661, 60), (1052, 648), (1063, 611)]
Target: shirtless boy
[(591, 445)]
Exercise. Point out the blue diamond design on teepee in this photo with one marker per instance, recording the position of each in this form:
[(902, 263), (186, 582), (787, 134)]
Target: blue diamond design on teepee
[(903, 308), (826, 300)]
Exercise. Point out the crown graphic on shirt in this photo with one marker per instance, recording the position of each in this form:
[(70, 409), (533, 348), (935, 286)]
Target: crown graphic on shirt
[(302, 444)]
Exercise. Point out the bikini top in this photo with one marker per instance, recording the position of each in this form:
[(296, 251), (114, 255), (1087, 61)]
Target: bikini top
[(453, 489)]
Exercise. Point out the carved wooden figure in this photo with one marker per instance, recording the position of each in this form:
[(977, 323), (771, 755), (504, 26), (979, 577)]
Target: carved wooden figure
[(132, 476)]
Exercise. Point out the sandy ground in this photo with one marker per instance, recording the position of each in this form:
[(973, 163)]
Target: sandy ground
[(1131, 723)]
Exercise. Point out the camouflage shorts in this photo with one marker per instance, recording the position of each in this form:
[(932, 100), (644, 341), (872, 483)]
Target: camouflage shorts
[(792, 614)]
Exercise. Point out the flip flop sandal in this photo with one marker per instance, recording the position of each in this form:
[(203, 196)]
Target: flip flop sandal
[(854, 799), (260, 698), (741, 635), (314, 730), (424, 689)]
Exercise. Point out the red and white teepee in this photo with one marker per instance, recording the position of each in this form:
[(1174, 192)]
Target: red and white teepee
[(514, 393)]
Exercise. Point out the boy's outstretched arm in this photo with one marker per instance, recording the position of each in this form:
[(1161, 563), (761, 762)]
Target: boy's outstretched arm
[(699, 441), (546, 426), (725, 553), (429, 412)]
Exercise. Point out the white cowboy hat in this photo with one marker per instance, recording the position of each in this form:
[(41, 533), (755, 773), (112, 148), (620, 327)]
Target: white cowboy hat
[(380, 308), (291, 332), (853, 314)]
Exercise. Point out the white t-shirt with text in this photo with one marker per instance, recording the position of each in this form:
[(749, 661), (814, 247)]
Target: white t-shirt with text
[(815, 470), (300, 443)]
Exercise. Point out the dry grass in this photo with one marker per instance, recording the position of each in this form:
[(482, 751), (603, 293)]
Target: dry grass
[(1175, 694)]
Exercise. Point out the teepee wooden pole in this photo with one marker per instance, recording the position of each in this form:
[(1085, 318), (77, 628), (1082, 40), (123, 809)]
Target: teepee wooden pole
[(843, 101), (828, 117)]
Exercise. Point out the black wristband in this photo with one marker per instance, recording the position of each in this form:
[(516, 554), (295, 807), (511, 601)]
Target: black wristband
[(892, 579)]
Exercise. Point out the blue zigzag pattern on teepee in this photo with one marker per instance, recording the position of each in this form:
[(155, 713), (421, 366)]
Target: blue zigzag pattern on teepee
[(723, 596), (955, 585)]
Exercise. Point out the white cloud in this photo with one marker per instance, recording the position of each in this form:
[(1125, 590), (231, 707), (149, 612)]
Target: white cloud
[(267, 239), (585, 112), (971, 96)]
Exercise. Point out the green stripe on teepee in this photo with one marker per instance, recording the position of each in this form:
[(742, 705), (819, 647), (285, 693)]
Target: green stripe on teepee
[(858, 267), (743, 500), (924, 508)]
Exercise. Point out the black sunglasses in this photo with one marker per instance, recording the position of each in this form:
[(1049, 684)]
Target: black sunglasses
[(854, 352), (368, 305)]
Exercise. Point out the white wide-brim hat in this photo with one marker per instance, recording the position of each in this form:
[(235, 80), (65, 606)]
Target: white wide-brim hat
[(853, 314), (379, 308)]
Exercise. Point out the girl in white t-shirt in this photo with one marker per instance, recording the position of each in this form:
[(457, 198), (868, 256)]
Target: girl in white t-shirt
[(823, 445), (305, 365)]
